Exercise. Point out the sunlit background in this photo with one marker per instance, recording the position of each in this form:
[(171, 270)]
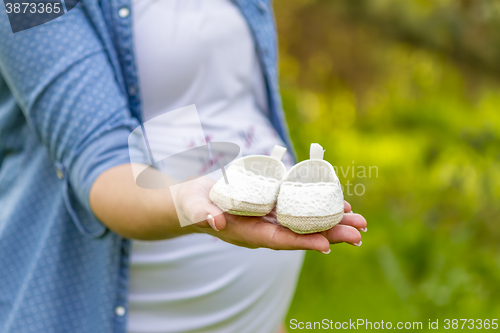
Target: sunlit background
[(412, 88)]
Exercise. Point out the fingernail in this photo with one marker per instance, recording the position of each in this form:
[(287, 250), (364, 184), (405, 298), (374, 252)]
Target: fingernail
[(326, 252), (351, 212), (211, 222), (357, 244), (363, 229)]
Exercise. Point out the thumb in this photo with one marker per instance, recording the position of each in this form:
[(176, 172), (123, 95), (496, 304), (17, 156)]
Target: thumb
[(209, 215)]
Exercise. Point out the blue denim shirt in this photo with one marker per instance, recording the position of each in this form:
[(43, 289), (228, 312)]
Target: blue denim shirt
[(69, 97)]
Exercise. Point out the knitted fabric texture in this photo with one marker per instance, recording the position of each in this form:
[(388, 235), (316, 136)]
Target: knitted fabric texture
[(243, 208), (310, 199), (313, 199), (309, 224), (245, 193)]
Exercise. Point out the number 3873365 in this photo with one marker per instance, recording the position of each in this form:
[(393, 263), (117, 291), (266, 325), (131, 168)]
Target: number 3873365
[(471, 324), (33, 7)]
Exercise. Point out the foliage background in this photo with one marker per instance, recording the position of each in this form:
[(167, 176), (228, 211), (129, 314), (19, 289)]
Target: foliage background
[(412, 88)]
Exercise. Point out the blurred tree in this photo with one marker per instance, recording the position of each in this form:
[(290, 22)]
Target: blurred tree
[(410, 88)]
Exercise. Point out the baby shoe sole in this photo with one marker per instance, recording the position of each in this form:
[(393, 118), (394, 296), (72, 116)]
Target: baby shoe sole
[(242, 208), (309, 224)]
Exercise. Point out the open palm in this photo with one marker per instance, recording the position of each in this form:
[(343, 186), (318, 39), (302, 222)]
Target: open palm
[(255, 232)]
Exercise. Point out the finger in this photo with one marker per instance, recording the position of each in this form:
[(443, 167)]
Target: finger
[(276, 237), (343, 233), (285, 239), (354, 220), (219, 220), (347, 207), (208, 215)]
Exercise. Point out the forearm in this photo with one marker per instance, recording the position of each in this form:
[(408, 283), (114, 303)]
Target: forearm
[(131, 211)]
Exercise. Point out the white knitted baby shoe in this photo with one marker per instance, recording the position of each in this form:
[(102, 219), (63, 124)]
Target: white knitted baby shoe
[(251, 184), (310, 198)]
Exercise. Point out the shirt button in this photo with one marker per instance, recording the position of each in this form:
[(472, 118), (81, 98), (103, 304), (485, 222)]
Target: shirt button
[(132, 90), (59, 174), (123, 12), (120, 311)]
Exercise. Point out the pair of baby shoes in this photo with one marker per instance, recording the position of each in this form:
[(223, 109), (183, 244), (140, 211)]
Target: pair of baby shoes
[(308, 198)]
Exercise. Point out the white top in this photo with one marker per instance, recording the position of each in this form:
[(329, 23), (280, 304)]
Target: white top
[(202, 52)]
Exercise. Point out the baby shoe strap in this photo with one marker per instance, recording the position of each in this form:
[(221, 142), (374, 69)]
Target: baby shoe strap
[(316, 152), (278, 152)]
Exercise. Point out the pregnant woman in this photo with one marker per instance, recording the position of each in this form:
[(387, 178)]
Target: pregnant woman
[(71, 91)]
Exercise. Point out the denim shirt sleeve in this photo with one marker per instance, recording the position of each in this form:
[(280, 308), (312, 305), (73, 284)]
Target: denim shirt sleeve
[(61, 78)]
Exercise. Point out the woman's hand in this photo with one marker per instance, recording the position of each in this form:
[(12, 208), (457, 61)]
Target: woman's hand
[(255, 232), (138, 213)]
